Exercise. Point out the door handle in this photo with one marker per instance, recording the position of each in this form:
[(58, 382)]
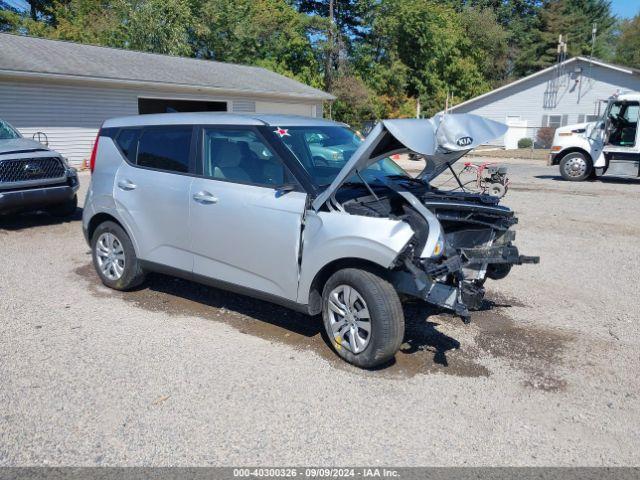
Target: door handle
[(126, 185), (205, 197)]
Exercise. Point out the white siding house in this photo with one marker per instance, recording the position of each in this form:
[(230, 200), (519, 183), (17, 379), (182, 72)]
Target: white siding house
[(572, 92), (67, 90)]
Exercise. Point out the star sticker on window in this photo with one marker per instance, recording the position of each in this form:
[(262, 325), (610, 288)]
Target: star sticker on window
[(283, 132)]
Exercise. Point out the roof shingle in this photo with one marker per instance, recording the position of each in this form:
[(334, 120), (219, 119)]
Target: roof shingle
[(37, 55)]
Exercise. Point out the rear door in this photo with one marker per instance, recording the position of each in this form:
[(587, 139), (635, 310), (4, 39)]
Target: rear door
[(152, 192), (245, 228)]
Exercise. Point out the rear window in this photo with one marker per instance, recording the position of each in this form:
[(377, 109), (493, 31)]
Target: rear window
[(128, 142), (165, 148)]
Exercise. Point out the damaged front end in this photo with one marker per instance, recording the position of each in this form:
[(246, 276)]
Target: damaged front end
[(478, 244), (460, 238)]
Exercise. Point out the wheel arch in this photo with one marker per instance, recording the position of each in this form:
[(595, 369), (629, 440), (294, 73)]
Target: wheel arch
[(564, 153), (102, 217), (321, 277)]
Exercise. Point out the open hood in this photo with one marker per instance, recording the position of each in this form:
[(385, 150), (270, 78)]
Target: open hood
[(440, 140)]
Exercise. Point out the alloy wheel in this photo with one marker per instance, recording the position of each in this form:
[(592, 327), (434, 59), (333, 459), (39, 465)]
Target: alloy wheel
[(110, 256), (349, 318)]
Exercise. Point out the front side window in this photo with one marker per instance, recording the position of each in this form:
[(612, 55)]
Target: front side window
[(324, 150), (7, 132), (622, 118), (240, 156), (165, 148)]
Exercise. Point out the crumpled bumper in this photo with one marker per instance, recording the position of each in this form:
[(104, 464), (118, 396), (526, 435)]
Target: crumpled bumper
[(443, 284)]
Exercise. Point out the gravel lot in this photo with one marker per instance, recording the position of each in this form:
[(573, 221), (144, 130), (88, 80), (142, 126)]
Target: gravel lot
[(179, 374)]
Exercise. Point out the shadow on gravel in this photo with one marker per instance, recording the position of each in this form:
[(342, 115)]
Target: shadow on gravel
[(22, 221), (426, 348), (612, 180)]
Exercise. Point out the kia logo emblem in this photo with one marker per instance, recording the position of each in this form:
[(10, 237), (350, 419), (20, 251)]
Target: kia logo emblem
[(464, 141)]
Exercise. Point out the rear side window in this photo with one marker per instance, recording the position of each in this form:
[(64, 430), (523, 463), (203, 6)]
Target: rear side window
[(165, 148), (128, 142)]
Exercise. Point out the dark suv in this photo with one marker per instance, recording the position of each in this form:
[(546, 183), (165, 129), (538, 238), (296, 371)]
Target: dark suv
[(32, 177)]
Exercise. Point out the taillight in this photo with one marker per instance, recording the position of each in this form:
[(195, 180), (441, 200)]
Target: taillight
[(94, 151)]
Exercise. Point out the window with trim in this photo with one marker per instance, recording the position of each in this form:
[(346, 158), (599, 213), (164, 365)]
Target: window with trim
[(554, 121), (127, 140), (165, 148), (241, 156)]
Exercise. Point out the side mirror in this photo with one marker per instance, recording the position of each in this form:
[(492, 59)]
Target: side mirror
[(284, 189), (42, 138)]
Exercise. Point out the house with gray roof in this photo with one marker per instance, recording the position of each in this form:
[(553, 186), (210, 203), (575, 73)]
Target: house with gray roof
[(67, 90), (573, 91)]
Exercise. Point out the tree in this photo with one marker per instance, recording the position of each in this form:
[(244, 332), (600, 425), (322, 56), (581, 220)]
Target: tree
[(574, 20), (429, 40), (628, 45), (97, 22), (488, 43), (159, 26), (269, 33)]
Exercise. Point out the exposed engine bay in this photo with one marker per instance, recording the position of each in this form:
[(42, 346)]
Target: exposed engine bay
[(459, 238), (477, 242)]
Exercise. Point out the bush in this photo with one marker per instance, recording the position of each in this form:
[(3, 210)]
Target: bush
[(525, 143), (544, 139)]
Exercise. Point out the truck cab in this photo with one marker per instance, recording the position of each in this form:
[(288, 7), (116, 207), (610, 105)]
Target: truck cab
[(610, 146)]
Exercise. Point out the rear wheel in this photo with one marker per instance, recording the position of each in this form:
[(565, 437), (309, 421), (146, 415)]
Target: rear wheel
[(575, 167), (114, 257), (363, 317)]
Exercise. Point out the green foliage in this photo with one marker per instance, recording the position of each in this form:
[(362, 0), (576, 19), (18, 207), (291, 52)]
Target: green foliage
[(160, 26), (574, 20), (426, 41), (628, 47), (380, 58), (268, 33), (525, 143)]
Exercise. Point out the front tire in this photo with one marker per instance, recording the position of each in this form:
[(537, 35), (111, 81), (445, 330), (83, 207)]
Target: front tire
[(363, 317), (114, 257), (575, 167)]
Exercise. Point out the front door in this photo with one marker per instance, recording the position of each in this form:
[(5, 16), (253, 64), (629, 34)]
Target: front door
[(152, 192), (622, 148), (245, 227)]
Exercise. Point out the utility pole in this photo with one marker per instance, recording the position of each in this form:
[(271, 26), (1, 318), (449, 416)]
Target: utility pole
[(328, 68)]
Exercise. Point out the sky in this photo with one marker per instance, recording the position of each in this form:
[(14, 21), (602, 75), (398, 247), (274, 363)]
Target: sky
[(625, 8)]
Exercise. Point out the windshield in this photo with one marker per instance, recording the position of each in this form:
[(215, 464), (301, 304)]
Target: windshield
[(7, 132), (323, 151)]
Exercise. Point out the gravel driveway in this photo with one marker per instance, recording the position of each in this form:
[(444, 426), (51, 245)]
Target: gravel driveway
[(180, 374)]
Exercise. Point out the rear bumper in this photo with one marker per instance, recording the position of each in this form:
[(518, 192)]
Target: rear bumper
[(35, 198)]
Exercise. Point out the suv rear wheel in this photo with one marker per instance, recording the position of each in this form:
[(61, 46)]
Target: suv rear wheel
[(114, 257), (363, 317)]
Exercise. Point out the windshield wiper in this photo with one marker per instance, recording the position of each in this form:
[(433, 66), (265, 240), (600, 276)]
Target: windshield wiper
[(410, 179)]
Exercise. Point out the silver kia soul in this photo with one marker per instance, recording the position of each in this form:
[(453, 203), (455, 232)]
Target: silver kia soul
[(301, 212)]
